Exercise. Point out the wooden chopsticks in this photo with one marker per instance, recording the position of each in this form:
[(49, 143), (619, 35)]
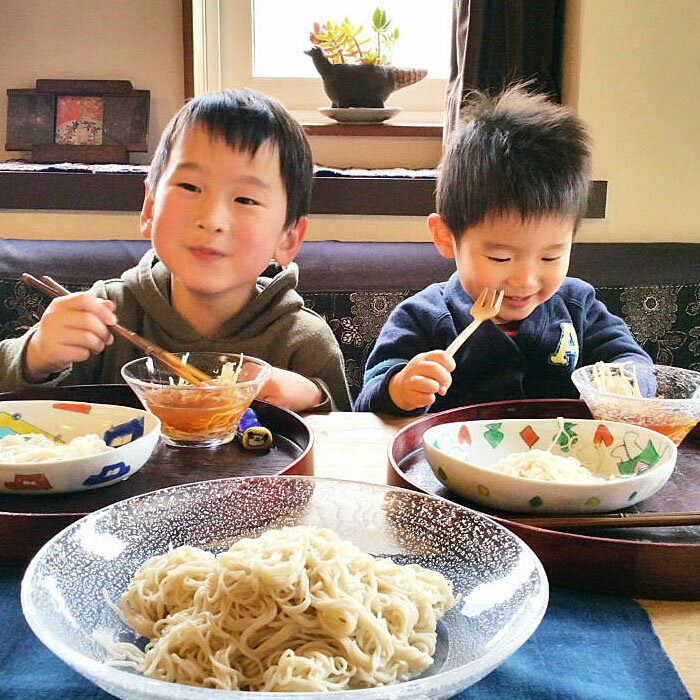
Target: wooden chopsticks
[(606, 520), (188, 372)]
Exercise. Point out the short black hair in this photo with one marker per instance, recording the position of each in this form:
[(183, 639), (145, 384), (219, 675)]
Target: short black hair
[(517, 152), (245, 120)]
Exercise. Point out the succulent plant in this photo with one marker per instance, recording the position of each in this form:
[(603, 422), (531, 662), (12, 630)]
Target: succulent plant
[(344, 42)]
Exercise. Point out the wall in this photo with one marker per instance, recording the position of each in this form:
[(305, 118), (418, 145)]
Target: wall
[(638, 91), (630, 72), (136, 40)]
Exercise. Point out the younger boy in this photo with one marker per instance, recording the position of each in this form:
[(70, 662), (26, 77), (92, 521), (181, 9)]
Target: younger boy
[(511, 190), (228, 191)]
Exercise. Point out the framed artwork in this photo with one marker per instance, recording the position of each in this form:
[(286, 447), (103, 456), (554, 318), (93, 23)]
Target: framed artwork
[(80, 121)]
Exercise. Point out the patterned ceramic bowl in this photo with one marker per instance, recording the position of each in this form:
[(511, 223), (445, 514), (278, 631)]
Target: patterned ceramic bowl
[(501, 585), (132, 433), (670, 401), (461, 454)]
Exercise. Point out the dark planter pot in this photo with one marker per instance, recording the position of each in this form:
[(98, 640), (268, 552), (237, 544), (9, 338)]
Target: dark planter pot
[(360, 85)]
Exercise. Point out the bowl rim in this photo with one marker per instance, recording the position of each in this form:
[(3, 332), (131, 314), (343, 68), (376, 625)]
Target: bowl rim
[(93, 668), (591, 390), (265, 372), (73, 461), (559, 484)]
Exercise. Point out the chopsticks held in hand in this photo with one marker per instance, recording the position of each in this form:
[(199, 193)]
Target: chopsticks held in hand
[(487, 306), (188, 372)]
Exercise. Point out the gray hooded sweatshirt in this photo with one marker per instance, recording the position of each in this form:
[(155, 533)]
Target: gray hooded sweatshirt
[(274, 326)]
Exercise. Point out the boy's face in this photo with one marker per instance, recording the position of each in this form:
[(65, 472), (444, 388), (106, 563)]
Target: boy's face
[(528, 260), (216, 218)]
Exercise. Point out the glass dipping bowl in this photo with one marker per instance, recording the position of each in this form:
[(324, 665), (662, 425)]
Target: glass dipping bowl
[(197, 416), (670, 401)]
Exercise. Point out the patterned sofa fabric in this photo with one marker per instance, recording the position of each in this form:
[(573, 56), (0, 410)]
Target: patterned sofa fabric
[(665, 320), (655, 288)]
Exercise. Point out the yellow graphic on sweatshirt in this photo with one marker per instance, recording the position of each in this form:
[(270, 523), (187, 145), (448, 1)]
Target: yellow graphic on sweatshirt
[(567, 348)]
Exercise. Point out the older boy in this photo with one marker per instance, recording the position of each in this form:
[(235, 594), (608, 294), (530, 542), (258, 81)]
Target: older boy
[(511, 190), (228, 190)]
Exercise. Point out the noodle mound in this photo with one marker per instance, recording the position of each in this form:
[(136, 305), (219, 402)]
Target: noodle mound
[(296, 609), (545, 466), (35, 447)]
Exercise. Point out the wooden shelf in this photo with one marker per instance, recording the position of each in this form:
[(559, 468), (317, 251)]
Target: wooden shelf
[(363, 196)]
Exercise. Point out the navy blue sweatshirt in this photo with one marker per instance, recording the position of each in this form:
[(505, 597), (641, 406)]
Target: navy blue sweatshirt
[(570, 330)]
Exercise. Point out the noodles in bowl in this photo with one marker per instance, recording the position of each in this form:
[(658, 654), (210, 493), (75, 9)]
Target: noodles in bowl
[(576, 464), (49, 447), (36, 447), (296, 609), (550, 465), (394, 529)]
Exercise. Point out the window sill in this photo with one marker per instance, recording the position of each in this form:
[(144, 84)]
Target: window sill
[(406, 124), (374, 130)]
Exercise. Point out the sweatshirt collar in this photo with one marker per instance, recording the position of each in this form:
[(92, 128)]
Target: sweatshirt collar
[(149, 282)]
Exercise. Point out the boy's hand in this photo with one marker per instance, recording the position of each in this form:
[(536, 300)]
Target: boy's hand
[(427, 374), (72, 328), (290, 390)]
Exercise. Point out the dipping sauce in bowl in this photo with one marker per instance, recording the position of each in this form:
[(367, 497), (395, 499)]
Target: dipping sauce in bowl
[(659, 397), (198, 416)]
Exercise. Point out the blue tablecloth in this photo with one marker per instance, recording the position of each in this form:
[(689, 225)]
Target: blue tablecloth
[(588, 647)]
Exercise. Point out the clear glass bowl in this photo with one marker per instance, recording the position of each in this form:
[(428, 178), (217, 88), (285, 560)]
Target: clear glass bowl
[(197, 416), (501, 584), (670, 401)]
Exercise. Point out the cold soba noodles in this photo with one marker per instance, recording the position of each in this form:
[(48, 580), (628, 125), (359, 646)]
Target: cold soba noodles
[(34, 447), (543, 465), (296, 609)]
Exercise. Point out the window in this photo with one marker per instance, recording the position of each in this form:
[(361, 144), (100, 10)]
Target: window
[(260, 44), (281, 31)]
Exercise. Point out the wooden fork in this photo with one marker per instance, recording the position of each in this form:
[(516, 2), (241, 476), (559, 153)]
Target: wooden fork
[(485, 307), (192, 374)]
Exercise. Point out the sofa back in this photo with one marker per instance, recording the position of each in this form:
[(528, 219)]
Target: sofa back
[(654, 287)]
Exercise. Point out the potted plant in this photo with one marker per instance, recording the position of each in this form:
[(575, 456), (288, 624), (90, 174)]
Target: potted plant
[(356, 70)]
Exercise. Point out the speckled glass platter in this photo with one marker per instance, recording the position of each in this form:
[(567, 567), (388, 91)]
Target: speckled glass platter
[(500, 584), (26, 522), (659, 562)]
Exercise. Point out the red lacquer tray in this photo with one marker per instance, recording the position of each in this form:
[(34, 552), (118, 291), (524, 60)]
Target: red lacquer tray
[(27, 522), (660, 562)]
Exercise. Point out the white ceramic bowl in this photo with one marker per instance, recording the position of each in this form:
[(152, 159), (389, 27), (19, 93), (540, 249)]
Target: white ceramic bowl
[(460, 455), (670, 401), (501, 584), (132, 432)]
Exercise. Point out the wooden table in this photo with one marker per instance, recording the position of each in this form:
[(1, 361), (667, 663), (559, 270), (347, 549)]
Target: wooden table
[(354, 446)]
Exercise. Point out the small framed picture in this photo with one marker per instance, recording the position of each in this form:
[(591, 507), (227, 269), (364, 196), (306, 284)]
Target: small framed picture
[(82, 121), (79, 120)]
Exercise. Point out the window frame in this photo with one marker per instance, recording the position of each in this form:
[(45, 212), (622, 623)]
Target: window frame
[(222, 60)]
